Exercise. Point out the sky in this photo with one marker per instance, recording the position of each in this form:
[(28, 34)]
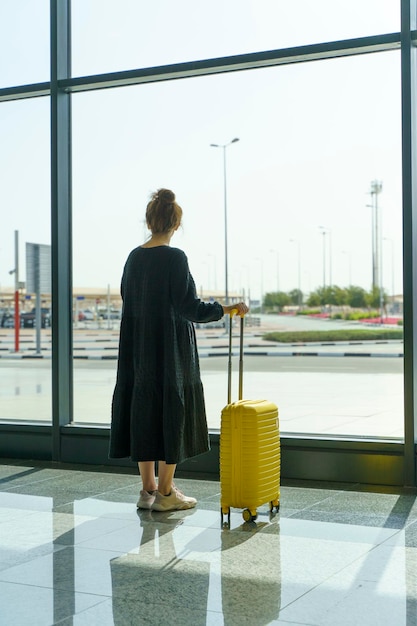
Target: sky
[(312, 138)]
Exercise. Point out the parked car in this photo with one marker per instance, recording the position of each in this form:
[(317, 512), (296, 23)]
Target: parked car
[(27, 318), (88, 315), (115, 314), (6, 318), (84, 315)]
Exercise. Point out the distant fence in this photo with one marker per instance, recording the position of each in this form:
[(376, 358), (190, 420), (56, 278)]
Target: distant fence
[(251, 320)]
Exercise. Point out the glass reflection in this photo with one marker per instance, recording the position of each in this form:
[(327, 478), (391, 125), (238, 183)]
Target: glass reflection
[(94, 559), (304, 166)]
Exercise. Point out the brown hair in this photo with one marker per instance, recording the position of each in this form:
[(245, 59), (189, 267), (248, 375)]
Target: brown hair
[(162, 212)]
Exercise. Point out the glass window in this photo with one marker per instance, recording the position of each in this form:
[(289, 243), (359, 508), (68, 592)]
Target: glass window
[(24, 42), (25, 356), (110, 37), (314, 140)]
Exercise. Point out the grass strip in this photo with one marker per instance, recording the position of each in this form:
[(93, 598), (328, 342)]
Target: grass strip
[(305, 336)]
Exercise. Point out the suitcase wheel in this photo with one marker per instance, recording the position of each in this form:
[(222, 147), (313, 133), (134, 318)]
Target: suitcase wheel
[(225, 511), (274, 504), (249, 516)]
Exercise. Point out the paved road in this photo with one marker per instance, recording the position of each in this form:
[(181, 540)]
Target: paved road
[(326, 364), (355, 396), (320, 394), (105, 346)]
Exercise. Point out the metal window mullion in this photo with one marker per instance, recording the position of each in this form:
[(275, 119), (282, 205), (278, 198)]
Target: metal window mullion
[(61, 231), (409, 189), (248, 61), (22, 92)]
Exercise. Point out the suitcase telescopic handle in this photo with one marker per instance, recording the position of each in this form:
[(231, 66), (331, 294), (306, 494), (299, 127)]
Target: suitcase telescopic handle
[(229, 366)]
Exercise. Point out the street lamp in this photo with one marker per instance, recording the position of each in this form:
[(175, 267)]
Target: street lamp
[(391, 242), (299, 270), (226, 268), (327, 231), (262, 282), (15, 271), (376, 188)]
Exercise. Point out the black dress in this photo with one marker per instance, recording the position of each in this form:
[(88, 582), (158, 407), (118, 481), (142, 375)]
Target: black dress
[(158, 410)]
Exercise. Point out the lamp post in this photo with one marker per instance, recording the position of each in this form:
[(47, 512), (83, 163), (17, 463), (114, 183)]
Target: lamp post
[(376, 188), (327, 231), (262, 283), (226, 268), (323, 232), (391, 242), (15, 271), (299, 269)]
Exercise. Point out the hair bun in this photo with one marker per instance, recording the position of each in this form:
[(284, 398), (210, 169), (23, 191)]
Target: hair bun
[(162, 212), (165, 196)]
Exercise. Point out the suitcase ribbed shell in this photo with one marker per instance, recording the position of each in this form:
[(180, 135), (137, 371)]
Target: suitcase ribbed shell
[(250, 455)]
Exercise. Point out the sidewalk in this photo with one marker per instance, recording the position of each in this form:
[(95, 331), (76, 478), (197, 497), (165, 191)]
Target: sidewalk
[(102, 344)]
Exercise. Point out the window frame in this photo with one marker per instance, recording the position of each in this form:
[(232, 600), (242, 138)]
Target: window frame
[(305, 457)]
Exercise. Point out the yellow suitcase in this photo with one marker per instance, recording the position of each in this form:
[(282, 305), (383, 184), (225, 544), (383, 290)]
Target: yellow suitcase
[(250, 451)]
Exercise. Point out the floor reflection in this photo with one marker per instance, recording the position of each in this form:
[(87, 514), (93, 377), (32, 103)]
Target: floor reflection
[(243, 552), (75, 552)]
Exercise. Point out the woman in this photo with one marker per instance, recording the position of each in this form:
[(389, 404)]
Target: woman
[(158, 411)]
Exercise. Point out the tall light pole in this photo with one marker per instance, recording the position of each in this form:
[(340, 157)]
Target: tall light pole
[(323, 232), (226, 266), (327, 231), (298, 270), (262, 283), (15, 271), (376, 188), (391, 242)]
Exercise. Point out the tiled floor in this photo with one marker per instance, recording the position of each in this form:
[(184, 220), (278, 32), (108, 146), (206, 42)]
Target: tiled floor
[(74, 551)]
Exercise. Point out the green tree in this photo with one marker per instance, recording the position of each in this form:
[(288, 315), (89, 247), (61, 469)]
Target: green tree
[(314, 299), (321, 296), (331, 295), (357, 297), (296, 297), (374, 298), (276, 300), (339, 296), (328, 295)]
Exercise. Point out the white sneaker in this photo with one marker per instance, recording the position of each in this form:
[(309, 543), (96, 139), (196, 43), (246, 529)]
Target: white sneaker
[(146, 500), (176, 501)]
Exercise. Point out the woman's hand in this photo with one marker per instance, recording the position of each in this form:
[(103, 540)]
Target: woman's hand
[(239, 307)]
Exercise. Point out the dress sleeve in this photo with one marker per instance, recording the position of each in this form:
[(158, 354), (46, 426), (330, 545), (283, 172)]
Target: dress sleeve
[(184, 295)]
